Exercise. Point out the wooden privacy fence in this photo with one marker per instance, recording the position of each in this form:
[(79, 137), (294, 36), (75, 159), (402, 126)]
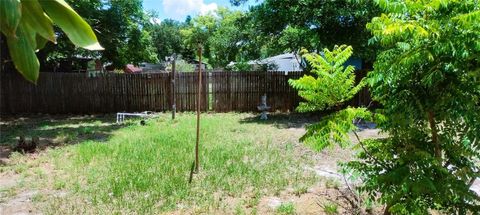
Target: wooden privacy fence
[(109, 93)]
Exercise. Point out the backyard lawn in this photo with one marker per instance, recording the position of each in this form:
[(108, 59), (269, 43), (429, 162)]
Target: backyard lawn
[(89, 165)]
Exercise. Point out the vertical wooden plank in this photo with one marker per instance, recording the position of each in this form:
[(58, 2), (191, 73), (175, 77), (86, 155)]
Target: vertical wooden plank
[(140, 106), (135, 90), (131, 92), (138, 98), (158, 78), (180, 89), (126, 92), (192, 95), (205, 90), (185, 87), (121, 92), (135, 94), (167, 108), (144, 102), (111, 95)]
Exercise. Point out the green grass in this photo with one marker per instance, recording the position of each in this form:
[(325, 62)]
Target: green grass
[(332, 183), (286, 209), (145, 169), (300, 189), (330, 208)]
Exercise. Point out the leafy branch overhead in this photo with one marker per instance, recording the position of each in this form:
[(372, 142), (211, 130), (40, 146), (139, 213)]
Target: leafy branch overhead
[(28, 26)]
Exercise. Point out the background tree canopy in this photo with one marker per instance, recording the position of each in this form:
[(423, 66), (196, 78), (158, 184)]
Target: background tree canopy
[(220, 34), (167, 39), (122, 27), (277, 26), (286, 26), (129, 34)]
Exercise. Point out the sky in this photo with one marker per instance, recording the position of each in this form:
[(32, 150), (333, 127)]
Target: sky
[(180, 9)]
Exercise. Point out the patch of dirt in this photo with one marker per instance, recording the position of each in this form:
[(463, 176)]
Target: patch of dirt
[(327, 161), (8, 180), (326, 166), (20, 204), (16, 199), (314, 201), (5, 152)]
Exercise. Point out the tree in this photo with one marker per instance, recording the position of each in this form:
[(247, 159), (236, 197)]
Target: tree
[(139, 47), (226, 37), (168, 39), (287, 26), (426, 81), (238, 2), (197, 32), (28, 25), (225, 41), (122, 26), (331, 87)]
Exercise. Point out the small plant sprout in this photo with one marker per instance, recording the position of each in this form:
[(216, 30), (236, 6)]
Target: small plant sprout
[(330, 208), (286, 209)]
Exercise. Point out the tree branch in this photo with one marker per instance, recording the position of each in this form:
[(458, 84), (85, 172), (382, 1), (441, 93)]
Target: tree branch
[(357, 198), (436, 144), (369, 154)]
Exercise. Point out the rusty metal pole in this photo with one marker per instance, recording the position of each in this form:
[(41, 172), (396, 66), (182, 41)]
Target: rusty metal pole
[(199, 101), (174, 100)]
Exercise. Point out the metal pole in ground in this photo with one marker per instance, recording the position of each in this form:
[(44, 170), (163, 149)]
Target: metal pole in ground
[(199, 100), (174, 99)]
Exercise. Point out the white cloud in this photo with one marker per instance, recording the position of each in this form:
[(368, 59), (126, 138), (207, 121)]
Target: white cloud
[(179, 9), (207, 8)]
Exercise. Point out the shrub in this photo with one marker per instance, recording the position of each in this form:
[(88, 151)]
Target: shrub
[(426, 79)]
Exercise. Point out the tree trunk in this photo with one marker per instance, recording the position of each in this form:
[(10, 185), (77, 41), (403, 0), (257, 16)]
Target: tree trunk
[(386, 211), (433, 128)]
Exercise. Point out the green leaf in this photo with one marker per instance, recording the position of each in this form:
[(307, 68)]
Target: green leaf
[(77, 30), (29, 34), (10, 15), (34, 16), (41, 41), (23, 55)]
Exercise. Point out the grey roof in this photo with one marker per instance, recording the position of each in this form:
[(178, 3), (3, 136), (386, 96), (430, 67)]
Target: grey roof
[(284, 62), (291, 62)]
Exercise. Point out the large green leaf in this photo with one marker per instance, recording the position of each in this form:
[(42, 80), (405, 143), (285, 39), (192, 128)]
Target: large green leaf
[(10, 14), (41, 41), (34, 16), (77, 30), (28, 33), (23, 55)]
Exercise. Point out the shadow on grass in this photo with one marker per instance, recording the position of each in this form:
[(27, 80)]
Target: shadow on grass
[(287, 120), (54, 131), (299, 120)]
